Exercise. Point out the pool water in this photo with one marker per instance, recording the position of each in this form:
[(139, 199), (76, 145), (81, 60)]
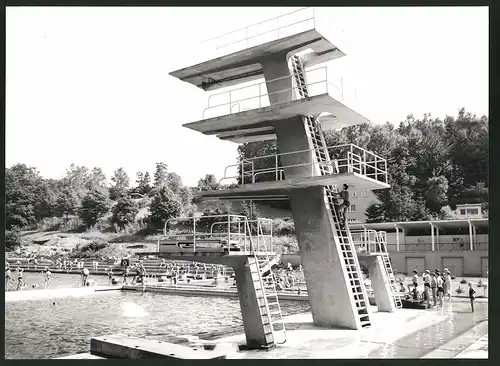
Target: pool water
[(48, 328), (58, 280)]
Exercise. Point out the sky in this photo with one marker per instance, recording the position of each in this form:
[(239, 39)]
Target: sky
[(91, 86)]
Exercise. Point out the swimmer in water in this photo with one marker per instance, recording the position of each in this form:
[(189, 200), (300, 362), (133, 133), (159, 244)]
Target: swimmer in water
[(48, 276)]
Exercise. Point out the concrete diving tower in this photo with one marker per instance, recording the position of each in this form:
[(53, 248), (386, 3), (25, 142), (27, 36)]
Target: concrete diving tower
[(295, 106)]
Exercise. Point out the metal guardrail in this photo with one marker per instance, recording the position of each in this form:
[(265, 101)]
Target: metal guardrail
[(237, 234), (257, 96), (273, 29), (346, 158), (371, 241)]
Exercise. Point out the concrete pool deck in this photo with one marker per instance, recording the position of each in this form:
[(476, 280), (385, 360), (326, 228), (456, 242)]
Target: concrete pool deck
[(403, 334)]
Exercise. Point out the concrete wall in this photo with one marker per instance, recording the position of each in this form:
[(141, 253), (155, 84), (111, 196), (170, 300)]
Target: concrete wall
[(445, 242), (471, 260)]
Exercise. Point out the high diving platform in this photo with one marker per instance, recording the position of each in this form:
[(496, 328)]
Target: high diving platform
[(236, 57)]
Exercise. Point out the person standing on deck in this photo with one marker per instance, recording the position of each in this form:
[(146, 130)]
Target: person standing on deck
[(434, 289), (447, 283), (440, 290), (426, 277), (85, 275), (471, 296), (48, 277), (20, 281), (415, 278)]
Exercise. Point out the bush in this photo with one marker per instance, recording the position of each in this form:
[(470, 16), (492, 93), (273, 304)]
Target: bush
[(89, 250), (13, 239), (459, 290), (463, 281), (287, 244), (283, 227)]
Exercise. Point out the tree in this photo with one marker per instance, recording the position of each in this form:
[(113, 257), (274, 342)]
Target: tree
[(208, 183), (121, 183), (143, 182), (375, 213), (94, 206), (160, 177), (124, 212), (96, 180), (25, 196), (67, 203), (164, 206), (436, 193), (174, 182), (76, 179), (13, 238)]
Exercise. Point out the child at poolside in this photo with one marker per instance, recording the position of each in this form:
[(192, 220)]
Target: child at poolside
[(471, 296), (415, 278), (20, 282), (48, 276), (85, 275), (440, 290)]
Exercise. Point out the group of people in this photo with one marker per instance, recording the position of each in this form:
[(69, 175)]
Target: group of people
[(21, 284), (437, 285)]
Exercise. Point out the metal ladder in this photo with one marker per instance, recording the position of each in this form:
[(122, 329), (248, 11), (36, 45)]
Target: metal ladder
[(390, 273), (267, 296), (349, 256)]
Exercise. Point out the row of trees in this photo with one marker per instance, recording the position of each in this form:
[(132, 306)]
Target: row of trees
[(433, 164), (30, 198)]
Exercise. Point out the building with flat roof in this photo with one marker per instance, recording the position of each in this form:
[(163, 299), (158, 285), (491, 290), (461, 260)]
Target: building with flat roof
[(459, 245)]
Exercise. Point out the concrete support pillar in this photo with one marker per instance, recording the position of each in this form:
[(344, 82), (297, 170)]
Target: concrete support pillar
[(471, 239), (397, 237), (332, 304), (380, 284), (437, 238), (252, 321), (432, 236), (276, 67)]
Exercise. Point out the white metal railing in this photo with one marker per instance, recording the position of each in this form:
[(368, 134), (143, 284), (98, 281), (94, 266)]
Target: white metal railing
[(235, 233), (274, 29), (346, 158), (369, 241), (257, 96)]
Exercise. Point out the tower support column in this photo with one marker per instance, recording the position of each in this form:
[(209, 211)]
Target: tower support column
[(380, 283)]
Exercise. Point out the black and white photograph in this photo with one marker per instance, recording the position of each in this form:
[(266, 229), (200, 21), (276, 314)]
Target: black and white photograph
[(246, 182)]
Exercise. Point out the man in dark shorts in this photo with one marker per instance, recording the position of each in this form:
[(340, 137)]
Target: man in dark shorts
[(344, 206)]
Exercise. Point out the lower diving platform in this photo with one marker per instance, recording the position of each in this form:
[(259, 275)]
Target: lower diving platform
[(263, 178)]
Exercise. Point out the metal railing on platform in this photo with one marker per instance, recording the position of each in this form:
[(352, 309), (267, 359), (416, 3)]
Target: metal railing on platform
[(295, 22), (256, 95), (236, 234), (347, 158), (370, 241)]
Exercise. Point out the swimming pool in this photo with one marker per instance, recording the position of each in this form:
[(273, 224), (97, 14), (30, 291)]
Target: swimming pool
[(52, 328)]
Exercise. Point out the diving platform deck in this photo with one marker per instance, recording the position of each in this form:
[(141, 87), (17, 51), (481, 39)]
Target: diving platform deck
[(245, 64), (280, 188), (258, 124)]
